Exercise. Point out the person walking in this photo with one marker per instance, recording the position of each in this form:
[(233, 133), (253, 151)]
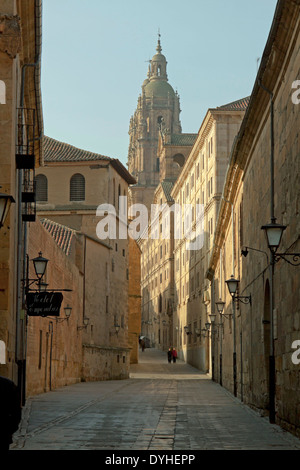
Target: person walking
[(169, 355), (10, 412), (174, 354)]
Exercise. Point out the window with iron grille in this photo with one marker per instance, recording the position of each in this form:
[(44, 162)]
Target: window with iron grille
[(41, 183), (77, 188)]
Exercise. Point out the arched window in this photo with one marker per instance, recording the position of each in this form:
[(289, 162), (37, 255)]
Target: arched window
[(77, 188), (179, 159), (41, 185)]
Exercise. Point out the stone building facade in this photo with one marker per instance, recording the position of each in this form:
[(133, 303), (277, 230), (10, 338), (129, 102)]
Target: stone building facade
[(54, 344), (199, 187), (134, 299), (157, 258), (20, 108), (77, 189), (258, 341), (174, 288)]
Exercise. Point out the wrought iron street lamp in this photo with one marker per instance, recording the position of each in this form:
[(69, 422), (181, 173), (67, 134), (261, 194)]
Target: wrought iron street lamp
[(40, 265), (220, 306), (274, 234), (85, 324), (232, 285), (68, 311), (5, 202)]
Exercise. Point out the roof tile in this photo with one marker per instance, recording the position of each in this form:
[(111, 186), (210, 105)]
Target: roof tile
[(238, 105), (56, 151), (62, 234)]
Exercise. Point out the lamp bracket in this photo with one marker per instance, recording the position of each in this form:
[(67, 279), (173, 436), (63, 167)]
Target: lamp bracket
[(243, 298), (295, 258)]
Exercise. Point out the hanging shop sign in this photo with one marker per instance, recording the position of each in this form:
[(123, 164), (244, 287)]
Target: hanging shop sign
[(44, 304)]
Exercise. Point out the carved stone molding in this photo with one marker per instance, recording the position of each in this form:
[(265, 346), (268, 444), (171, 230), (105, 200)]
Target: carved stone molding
[(10, 35)]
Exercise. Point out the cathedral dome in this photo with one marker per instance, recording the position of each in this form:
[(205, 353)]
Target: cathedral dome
[(159, 58), (158, 89)]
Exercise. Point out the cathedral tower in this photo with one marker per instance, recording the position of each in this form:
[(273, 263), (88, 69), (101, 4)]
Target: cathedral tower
[(157, 111)]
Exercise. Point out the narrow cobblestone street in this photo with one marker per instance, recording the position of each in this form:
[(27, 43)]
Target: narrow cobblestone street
[(161, 407)]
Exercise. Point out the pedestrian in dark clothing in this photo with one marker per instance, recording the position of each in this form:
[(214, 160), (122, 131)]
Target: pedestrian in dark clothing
[(174, 354), (169, 355), (10, 412)]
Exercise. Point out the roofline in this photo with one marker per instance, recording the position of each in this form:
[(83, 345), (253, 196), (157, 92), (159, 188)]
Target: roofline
[(123, 172), (114, 162)]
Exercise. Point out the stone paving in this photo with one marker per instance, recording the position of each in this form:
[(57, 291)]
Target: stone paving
[(161, 407)]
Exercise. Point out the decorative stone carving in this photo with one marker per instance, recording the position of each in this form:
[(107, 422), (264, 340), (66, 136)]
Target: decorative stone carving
[(10, 35)]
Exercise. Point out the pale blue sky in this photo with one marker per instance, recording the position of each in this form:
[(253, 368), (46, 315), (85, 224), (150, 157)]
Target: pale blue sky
[(95, 55)]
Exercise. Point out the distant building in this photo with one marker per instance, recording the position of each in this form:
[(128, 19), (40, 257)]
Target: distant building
[(158, 111), (70, 187), (174, 288)]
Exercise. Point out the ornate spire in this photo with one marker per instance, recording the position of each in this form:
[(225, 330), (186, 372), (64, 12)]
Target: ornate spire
[(159, 49)]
